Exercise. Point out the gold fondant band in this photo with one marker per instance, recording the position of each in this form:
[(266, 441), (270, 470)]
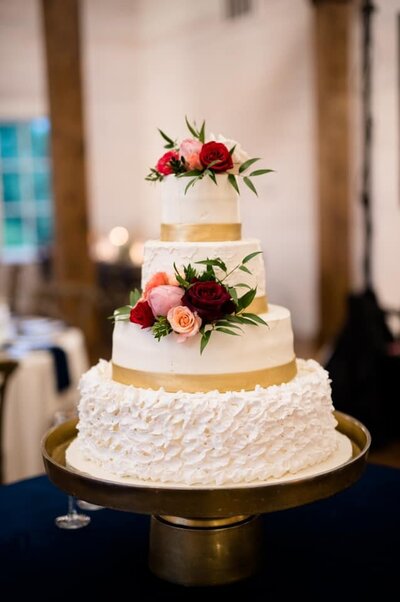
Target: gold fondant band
[(258, 306), (202, 383), (200, 232)]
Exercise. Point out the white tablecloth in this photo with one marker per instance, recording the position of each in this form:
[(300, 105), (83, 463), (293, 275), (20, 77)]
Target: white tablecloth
[(32, 400)]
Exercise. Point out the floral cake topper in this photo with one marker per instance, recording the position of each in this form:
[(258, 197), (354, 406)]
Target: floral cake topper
[(196, 158), (193, 301)]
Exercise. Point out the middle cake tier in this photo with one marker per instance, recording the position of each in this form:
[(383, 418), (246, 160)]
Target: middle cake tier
[(261, 355), (160, 256)]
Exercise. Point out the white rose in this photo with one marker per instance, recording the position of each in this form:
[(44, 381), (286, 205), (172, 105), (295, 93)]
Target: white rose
[(239, 155)]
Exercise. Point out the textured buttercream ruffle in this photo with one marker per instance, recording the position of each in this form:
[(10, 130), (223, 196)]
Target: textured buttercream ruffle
[(207, 438)]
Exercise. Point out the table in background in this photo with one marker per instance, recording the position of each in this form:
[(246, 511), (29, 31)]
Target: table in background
[(32, 400), (344, 548)]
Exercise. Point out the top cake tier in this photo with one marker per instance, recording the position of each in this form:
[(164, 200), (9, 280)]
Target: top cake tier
[(208, 212)]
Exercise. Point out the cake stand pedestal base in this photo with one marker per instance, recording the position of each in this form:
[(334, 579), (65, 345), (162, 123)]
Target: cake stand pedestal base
[(199, 552), (205, 535)]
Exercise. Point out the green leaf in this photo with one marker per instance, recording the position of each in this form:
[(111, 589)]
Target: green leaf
[(210, 165), (226, 331), (189, 174), (161, 328), (244, 269), (227, 323), (204, 340), (242, 285), (134, 297), (214, 262), (190, 273), (190, 183), (125, 309), (247, 298), (202, 133), (256, 318), (179, 278), (260, 172), (233, 294), (232, 150), (233, 182), (247, 164), (245, 320), (191, 128), (212, 176), (250, 184), (170, 142), (248, 257)]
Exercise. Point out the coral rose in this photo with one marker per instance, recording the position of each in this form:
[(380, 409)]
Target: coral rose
[(142, 314), (163, 298), (164, 164), (216, 151), (159, 279), (190, 150), (184, 322), (210, 300)]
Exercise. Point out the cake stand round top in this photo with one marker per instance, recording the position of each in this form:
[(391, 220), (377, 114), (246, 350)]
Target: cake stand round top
[(211, 502)]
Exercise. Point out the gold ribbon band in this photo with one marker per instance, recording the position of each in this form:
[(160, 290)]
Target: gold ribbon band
[(202, 383), (258, 306), (200, 232)]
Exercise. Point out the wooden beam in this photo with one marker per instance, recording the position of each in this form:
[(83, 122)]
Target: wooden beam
[(74, 270), (332, 25)]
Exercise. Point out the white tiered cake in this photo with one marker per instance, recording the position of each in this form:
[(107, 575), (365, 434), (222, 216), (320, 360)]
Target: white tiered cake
[(242, 411)]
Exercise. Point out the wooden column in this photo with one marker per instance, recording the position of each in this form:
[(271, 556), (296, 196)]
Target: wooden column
[(332, 24), (74, 270)]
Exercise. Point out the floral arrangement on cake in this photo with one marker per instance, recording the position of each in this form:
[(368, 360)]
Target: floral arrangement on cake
[(193, 301), (195, 158)]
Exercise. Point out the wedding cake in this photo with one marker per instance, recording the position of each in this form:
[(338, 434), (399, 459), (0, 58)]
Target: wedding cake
[(203, 387)]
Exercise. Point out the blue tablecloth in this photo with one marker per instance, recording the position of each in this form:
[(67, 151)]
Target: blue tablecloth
[(343, 548)]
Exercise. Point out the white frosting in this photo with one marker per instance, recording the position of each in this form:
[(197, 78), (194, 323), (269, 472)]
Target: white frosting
[(257, 348), (207, 438), (203, 203), (160, 257)]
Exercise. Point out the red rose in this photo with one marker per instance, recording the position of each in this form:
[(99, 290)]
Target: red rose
[(216, 151), (163, 165), (141, 314), (210, 300)]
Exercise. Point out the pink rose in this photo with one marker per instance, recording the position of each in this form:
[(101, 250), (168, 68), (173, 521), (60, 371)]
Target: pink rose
[(190, 151), (184, 322), (162, 298), (159, 279)]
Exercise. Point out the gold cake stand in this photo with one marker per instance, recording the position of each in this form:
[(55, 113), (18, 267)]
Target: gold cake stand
[(204, 536)]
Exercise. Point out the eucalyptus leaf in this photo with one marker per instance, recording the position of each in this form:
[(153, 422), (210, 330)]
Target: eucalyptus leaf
[(232, 181), (247, 164), (250, 184)]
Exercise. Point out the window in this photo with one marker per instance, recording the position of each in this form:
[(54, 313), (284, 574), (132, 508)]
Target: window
[(25, 189)]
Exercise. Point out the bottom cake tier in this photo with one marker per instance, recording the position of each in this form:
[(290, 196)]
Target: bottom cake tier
[(207, 438)]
